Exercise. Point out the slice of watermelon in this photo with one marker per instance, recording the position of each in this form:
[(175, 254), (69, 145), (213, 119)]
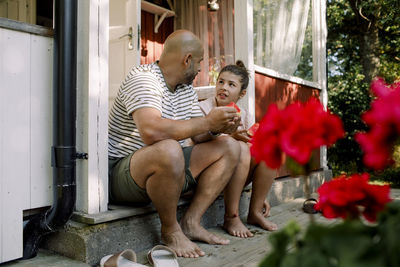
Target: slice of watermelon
[(253, 129), (232, 104)]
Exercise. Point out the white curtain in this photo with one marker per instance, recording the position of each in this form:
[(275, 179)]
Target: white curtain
[(215, 29), (279, 28)]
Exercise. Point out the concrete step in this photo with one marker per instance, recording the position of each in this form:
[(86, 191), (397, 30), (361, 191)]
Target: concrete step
[(87, 238)]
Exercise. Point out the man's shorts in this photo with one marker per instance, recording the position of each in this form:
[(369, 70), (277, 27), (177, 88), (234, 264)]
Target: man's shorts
[(123, 189)]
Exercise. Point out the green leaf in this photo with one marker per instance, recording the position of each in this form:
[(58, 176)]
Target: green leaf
[(280, 242)]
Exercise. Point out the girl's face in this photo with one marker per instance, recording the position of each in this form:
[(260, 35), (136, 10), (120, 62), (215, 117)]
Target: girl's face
[(227, 89)]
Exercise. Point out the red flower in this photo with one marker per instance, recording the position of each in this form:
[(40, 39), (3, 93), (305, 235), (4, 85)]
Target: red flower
[(266, 140), (296, 131), (384, 121), (349, 197), (376, 147)]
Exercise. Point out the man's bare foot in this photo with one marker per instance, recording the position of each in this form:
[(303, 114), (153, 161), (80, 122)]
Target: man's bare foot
[(234, 226), (195, 231), (258, 218), (182, 246)]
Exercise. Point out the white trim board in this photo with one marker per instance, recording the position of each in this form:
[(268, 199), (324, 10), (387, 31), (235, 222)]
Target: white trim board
[(286, 77)]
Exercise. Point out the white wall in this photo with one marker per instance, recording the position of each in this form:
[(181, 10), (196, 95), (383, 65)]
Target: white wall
[(26, 132)]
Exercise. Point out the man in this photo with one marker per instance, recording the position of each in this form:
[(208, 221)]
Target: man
[(156, 109)]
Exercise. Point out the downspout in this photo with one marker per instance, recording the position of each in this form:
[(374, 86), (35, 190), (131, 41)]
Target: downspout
[(64, 128)]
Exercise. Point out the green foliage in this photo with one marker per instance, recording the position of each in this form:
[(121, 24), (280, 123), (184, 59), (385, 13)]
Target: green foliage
[(348, 92), (348, 100), (350, 243), (389, 175)]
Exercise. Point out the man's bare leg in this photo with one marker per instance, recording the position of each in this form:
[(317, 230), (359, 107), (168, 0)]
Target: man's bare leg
[(163, 177), (213, 163), (263, 178), (232, 223)]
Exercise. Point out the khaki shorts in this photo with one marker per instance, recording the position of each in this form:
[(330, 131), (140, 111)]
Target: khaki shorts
[(123, 189)]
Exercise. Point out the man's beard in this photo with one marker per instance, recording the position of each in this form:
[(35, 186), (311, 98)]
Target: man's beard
[(189, 75)]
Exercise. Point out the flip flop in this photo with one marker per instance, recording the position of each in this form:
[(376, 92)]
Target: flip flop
[(308, 206), (125, 258), (162, 256)]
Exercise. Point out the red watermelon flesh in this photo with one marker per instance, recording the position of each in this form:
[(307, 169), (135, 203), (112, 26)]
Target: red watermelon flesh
[(253, 129)]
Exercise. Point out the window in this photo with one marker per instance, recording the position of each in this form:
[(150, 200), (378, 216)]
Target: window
[(215, 29), (283, 36)]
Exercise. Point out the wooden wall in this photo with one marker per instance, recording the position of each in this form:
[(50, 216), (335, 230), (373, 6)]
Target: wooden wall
[(26, 62), (151, 42), (273, 90), (270, 90)]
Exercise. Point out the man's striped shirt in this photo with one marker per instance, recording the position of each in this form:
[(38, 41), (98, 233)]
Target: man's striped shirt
[(145, 86)]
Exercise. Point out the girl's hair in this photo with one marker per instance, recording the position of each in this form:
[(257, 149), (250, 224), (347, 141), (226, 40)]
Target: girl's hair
[(240, 70)]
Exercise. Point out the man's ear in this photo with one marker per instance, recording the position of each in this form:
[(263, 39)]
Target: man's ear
[(187, 59)]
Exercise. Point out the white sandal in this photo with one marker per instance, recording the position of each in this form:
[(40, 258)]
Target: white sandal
[(162, 256), (125, 258)]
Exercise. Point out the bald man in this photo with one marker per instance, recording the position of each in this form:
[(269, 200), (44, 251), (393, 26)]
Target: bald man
[(156, 109)]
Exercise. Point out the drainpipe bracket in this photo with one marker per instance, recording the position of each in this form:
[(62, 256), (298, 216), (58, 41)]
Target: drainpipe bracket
[(81, 155)]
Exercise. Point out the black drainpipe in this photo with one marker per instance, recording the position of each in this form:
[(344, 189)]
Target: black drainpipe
[(64, 126)]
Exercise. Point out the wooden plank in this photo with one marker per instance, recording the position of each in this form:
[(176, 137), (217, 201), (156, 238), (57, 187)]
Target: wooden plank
[(243, 27), (205, 92), (116, 212), (286, 77), (25, 27), (41, 69), (2, 141), (92, 106), (15, 118), (320, 33)]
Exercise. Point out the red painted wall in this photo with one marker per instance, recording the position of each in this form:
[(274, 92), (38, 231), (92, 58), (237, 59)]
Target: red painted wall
[(151, 42), (272, 90)]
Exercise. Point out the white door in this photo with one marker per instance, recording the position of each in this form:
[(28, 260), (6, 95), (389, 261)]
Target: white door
[(124, 46)]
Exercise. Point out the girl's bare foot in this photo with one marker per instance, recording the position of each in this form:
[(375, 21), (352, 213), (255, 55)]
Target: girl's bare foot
[(195, 231), (257, 218), (234, 226), (182, 246)]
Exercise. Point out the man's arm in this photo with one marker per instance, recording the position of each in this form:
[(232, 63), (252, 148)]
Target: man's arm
[(154, 128)]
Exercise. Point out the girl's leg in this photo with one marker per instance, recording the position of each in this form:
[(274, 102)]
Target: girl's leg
[(232, 223), (263, 178)]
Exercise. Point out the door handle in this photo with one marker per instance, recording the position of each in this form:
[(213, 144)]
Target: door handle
[(130, 35)]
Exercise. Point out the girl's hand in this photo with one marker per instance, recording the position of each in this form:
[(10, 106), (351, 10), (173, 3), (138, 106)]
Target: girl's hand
[(241, 136)]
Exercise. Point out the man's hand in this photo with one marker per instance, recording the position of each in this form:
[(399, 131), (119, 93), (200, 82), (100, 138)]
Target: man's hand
[(223, 120)]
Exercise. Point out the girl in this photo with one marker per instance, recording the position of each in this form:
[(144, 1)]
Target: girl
[(231, 86)]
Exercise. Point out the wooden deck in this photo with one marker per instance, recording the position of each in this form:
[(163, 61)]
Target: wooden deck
[(245, 252), (250, 251), (240, 252)]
